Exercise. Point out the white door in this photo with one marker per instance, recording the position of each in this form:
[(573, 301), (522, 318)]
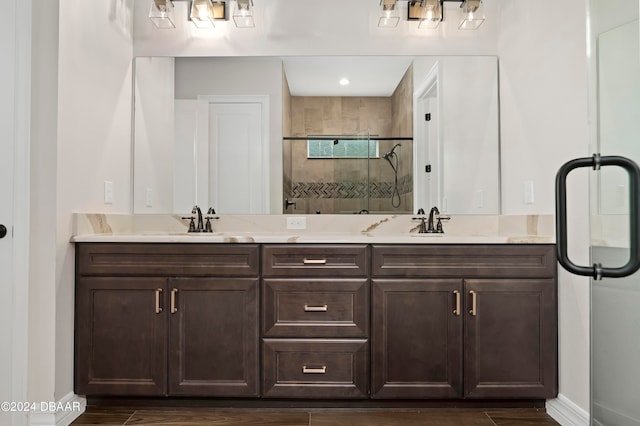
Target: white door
[(237, 158)]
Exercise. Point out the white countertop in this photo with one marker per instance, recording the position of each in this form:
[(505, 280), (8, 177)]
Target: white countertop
[(328, 229)]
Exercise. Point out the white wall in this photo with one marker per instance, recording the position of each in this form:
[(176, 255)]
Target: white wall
[(543, 104), (240, 76), (94, 143), (154, 134)]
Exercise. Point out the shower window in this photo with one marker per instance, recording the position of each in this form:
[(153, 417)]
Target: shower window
[(342, 148)]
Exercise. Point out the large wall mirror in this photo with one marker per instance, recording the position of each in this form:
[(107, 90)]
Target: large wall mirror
[(250, 135)]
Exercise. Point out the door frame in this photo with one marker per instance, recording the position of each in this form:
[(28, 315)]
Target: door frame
[(19, 21), (429, 86), (263, 100)]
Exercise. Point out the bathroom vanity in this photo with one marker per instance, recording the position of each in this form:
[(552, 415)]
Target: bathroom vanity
[(410, 320)]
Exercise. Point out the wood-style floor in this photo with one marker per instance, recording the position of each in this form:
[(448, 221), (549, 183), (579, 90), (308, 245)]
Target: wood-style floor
[(314, 417)]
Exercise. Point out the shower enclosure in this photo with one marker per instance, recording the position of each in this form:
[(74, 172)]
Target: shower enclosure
[(348, 174)]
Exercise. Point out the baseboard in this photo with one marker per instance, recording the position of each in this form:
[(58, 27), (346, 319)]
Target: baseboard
[(566, 412), (60, 413)]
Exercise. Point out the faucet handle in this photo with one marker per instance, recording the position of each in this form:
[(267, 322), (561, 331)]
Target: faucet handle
[(439, 229), (207, 225), (192, 224)]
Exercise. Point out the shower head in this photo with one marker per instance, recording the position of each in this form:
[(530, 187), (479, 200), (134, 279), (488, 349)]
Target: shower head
[(391, 153)]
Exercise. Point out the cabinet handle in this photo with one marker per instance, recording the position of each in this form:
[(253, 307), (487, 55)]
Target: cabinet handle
[(312, 370), (474, 305), (158, 307), (315, 261), (321, 308), (173, 300), (456, 311)]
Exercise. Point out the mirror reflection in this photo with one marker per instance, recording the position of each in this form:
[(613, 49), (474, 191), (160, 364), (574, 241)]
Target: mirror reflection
[(282, 135)]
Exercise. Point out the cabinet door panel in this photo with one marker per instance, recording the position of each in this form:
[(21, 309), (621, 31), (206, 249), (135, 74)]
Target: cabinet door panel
[(511, 341), (416, 339), (120, 337), (213, 344)]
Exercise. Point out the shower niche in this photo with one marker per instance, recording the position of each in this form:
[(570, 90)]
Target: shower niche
[(348, 174)]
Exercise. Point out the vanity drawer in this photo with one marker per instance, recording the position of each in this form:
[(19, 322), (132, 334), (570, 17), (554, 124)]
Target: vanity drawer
[(315, 368), (133, 259), (315, 307), (302, 260), (467, 260)]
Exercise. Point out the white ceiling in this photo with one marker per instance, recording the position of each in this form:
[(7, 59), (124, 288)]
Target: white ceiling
[(367, 75)]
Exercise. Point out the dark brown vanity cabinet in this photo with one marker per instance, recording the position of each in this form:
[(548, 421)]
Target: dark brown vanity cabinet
[(464, 321), (315, 321), (167, 319)]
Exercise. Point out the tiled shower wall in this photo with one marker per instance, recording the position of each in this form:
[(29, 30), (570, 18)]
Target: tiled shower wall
[(342, 185)]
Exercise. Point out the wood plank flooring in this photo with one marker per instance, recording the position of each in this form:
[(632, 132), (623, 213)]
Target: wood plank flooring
[(313, 417)]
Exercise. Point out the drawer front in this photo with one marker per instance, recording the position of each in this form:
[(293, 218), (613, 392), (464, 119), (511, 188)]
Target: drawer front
[(132, 259), (321, 260), (315, 368), (315, 307), (478, 261)]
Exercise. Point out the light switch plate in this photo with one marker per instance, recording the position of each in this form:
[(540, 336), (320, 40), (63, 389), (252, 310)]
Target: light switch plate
[(149, 197), (108, 192), (527, 192)]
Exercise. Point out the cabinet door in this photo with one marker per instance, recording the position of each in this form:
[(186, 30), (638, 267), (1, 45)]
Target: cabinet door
[(120, 336), (416, 338), (510, 338), (213, 343)]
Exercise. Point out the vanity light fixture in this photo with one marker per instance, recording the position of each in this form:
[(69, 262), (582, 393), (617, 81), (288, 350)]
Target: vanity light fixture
[(161, 14), (389, 17), (243, 15), (203, 12), (472, 14), (431, 12)]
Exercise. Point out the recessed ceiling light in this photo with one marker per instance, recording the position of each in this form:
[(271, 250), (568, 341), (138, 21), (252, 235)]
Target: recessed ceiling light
[(344, 81)]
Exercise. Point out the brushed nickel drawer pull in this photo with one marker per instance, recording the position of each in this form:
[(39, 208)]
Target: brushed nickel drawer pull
[(474, 304), (158, 307), (456, 311), (173, 301), (320, 308), (312, 370), (315, 261)]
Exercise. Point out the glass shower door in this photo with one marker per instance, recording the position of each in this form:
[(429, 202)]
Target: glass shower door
[(615, 302)]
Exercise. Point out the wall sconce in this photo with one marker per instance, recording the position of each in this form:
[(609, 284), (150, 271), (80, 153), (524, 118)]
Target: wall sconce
[(203, 12), (389, 17), (472, 14), (161, 14), (243, 15)]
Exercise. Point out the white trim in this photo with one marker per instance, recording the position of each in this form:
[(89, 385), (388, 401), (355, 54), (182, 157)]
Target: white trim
[(265, 154), (73, 406), (566, 412), (21, 170)]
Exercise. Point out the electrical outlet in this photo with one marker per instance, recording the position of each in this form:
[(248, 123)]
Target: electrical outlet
[(149, 197), (527, 192), (108, 192), (296, 222)]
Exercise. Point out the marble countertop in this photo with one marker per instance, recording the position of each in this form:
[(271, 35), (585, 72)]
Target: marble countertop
[(328, 229)]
